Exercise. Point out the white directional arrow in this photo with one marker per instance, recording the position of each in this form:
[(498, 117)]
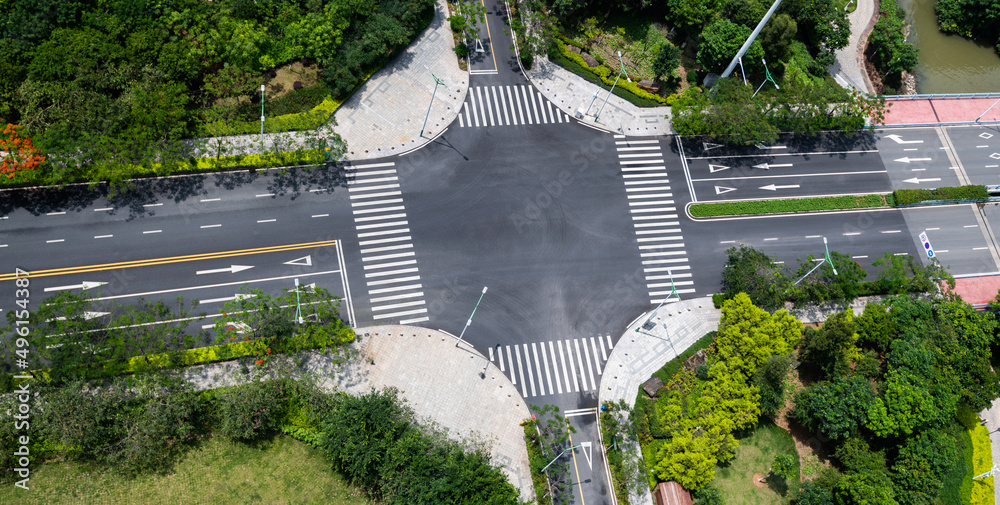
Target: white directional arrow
[(907, 159), (86, 315), (716, 168), (588, 451), (83, 285), (231, 269), (918, 181), (901, 141), (772, 187), (708, 145), (723, 189), (762, 146), (767, 166), (305, 261)]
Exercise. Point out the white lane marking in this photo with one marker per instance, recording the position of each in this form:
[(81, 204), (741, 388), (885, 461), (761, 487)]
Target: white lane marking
[(604, 354), (538, 368), (376, 195), (590, 370), (152, 231), (105, 209), (153, 205), (531, 375), (371, 188), (390, 265), (657, 202), (728, 242), (641, 196), (211, 226), (390, 281), (513, 378), (658, 209), (863, 256), (933, 229), (572, 369), (394, 289), (266, 220), (814, 236), (55, 213), (551, 115), (398, 305), (387, 256), (851, 234), (593, 347), (381, 225), (372, 165), (499, 358), (206, 200), (610, 345), (387, 248), (971, 226), (641, 162), (647, 148), (489, 106), (974, 249), (640, 155), (892, 231), (501, 106), (643, 175), (511, 105), (661, 223), (657, 216), (381, 209), (390, 298), (522, 105), (414, 320), (103, 236), (663, 230), (377, 202), (383, 232), (321, 215), (657, 247), (651, 188), (56, 241), (632, 142), (658, 239), (665, 253), (472, 105), (397, 314), (461, 120), (371, 174), (555, 365), (482, 109), (383, 240), (939, 251), (520, 371), (534, 105)]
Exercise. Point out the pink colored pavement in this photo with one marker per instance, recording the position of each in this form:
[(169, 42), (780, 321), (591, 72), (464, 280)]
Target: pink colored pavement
[(941, 110), (977, 291)]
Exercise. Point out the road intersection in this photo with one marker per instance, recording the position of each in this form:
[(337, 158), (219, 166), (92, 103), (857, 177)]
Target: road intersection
[(576, 231)]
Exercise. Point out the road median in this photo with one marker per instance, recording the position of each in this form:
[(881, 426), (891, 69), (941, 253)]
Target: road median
[(790, 205)]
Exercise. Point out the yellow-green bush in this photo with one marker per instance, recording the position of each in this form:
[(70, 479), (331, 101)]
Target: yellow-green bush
[(607, 75), (979, 458)]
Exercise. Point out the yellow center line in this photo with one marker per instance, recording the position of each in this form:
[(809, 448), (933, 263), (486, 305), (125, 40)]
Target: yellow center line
[(579, 483), (492, 52), (166, 260)]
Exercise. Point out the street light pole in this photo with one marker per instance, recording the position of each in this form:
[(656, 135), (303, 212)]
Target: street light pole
[(262, 117), (428, 115), (767, 77), (826, 259), (467, 323), (298, 304), (622, 62), (560, 455), (987, 110), (673, 293)]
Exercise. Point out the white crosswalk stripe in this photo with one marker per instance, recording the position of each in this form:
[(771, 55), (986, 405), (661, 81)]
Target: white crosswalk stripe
[(510, 106), (393, 282), (651, 204), (543, 368)]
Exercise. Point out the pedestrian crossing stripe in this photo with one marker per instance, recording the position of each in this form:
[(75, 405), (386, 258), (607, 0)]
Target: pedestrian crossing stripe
[(555, 366), (507, 106), (382, 231), (650, 200)]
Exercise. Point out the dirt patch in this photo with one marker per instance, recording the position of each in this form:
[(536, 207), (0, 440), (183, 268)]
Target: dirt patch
[(758, 480), (807, 444), (284, 80)]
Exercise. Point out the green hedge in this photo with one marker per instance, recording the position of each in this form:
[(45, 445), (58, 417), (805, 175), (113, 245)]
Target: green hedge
[(538, 479), (790, 205), (604, 76), (975, 192), (673, 366)]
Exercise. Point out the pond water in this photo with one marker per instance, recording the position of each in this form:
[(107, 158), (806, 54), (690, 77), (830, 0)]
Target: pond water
[(948, 63)]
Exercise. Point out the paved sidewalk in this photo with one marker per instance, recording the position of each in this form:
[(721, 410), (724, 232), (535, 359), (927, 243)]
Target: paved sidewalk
[(849, 68), (638, 354), (925, 111), (441, 382), (384, 117), (571, 92)]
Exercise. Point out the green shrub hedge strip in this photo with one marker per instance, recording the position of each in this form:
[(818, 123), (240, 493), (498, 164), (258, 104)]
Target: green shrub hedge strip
[(606, 75), (790, 205), (905, 197)]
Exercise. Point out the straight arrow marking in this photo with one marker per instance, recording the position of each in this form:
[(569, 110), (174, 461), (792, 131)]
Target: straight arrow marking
[(772, 187), (898, 140), (907, 159), (767, 166), (83, 285), (918, 181), (231, 269)]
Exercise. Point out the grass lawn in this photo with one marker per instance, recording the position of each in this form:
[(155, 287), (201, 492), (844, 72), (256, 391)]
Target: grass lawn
[(218, 472), (754, 456)]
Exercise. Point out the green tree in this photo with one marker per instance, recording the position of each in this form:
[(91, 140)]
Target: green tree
[(750, 271), (691, 15), (875, 326), (777, 35), (668, 57), (836, 408), (820, 23), (920, 466), (770, 380), (722, 40), (833, 347), (748, 335), (251, 411), (783, 467)]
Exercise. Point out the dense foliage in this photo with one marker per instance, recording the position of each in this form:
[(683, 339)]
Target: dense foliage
[(975, 19), (888, 51), (975, 192), (106, 84), (770, 284)]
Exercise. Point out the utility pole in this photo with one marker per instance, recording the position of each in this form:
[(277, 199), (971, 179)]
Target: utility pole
[(467, 323), (826, 259), (672, 293), (298, 304), (436, 83), (753, 36), (262, 118)]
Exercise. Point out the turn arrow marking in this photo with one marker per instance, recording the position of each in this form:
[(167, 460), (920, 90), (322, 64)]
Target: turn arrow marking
[(83, 285), (723, 189), (716, 168), (767, 166), (898, 140), (231, 269), (772, 187), (918, 181), (908, 159)]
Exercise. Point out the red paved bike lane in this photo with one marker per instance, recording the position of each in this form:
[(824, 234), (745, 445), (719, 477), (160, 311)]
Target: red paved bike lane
[(921, 111)]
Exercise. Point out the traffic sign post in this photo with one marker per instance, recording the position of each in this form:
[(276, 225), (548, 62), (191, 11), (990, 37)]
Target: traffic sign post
[(927, 244)]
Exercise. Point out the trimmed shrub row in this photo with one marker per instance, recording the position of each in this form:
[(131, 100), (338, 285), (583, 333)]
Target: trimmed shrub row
[(602, 74), (975, 192), (791, 205)]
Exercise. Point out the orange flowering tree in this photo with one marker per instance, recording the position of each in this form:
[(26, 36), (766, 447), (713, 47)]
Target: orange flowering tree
[(18, 155)]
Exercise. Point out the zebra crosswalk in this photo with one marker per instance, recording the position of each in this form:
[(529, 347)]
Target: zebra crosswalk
[(507, 106), (654, 216), (388, 259), (554, 367)]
